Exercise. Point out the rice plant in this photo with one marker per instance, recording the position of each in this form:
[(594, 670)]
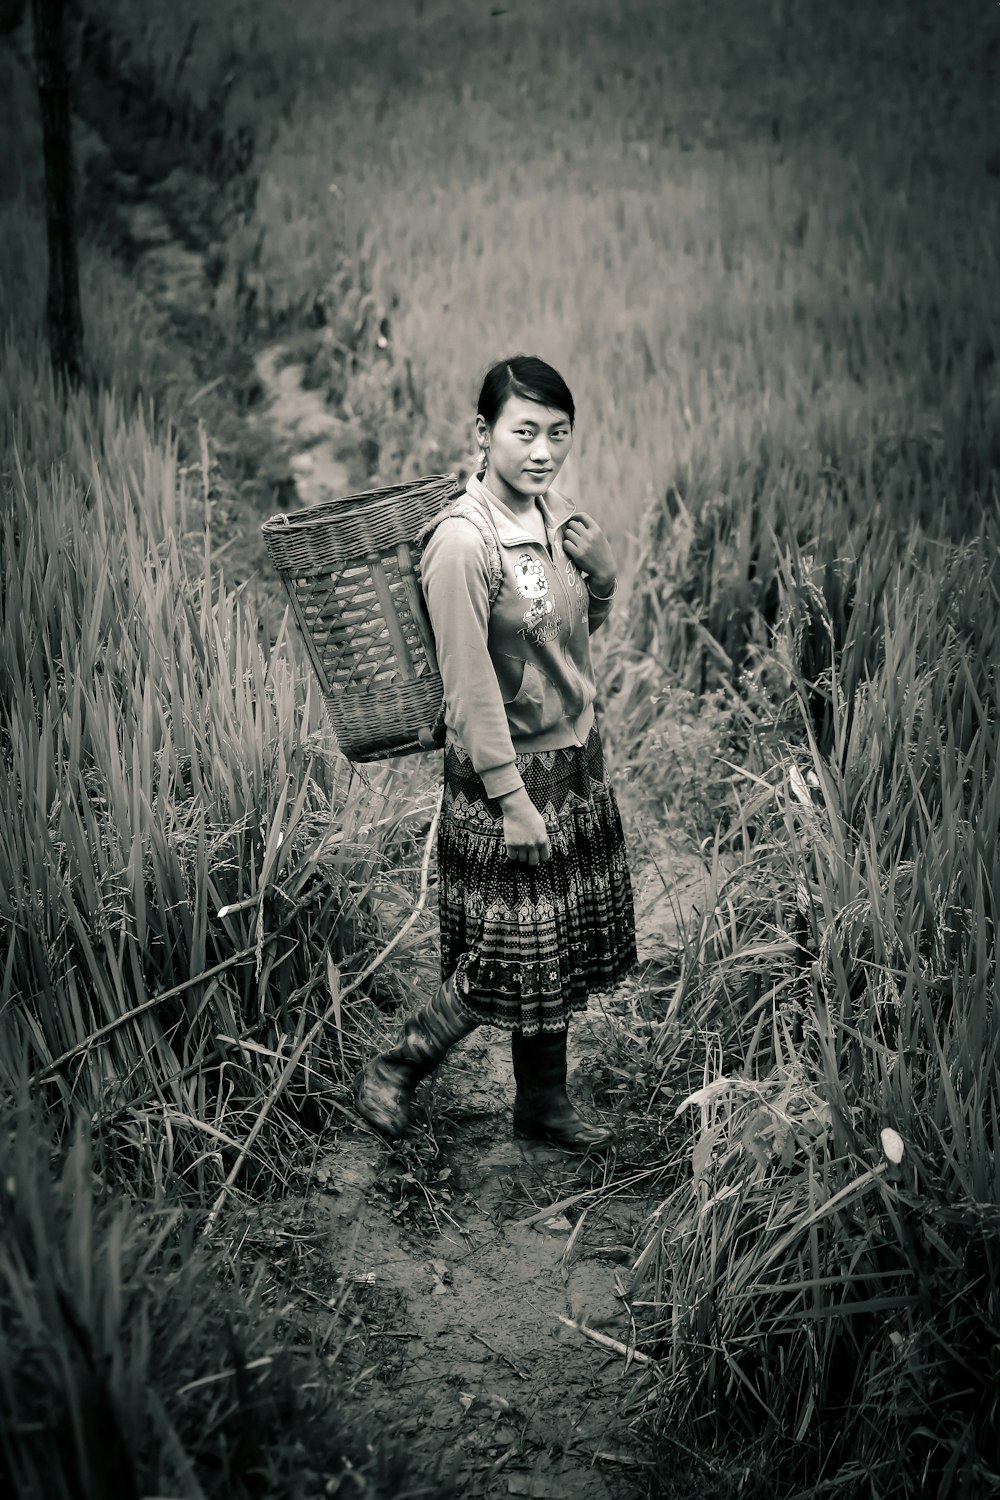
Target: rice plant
[(767, 262), (182, 854), (827, 1271), (136, 1361)]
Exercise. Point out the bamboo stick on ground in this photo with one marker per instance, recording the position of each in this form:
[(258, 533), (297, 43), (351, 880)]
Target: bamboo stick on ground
[(615, 1345)]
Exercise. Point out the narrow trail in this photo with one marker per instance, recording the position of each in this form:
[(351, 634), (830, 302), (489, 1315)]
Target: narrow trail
[(302, 416), (444, 1271), (470, 1344), (458, 1293), (453, 1300)]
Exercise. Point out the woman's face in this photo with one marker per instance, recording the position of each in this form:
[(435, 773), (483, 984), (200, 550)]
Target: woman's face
[(527, 446)]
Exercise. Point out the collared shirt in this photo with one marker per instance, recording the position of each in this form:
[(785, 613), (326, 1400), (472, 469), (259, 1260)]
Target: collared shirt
[(518, 677)]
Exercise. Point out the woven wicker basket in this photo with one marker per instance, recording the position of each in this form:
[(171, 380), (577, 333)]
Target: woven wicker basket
[(351, 569)]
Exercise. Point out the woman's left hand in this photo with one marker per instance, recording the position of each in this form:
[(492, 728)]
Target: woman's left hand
[(585, 543)]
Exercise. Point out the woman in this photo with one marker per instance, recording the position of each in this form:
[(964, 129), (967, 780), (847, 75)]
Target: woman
[(534, 893)]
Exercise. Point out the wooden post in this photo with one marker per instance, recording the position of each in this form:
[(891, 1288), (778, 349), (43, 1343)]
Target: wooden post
[(65, 323)]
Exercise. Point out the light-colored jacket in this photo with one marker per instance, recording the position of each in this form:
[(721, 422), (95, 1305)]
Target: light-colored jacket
[(517, 676)]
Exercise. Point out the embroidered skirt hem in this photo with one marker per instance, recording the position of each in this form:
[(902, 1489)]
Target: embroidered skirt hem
[(530, 944)]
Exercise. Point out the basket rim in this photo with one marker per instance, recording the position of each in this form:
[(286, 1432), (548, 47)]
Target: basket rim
[(342, 507)]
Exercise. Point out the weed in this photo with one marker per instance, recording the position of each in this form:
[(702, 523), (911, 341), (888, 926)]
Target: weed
[(417, 1182)]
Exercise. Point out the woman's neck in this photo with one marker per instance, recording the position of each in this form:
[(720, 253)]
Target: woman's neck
[(521, 505)]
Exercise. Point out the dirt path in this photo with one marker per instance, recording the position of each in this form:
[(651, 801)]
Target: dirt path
[(462, 1328), (446, 1272), (461, 1260), (303, 418), (464, 1252)]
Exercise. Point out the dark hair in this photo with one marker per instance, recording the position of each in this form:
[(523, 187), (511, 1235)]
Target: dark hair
[(530, 378)]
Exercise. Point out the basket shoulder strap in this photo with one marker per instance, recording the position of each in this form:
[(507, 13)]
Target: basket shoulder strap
[(467, 510)]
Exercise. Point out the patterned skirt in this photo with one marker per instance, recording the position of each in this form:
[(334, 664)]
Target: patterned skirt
[(529, 944)]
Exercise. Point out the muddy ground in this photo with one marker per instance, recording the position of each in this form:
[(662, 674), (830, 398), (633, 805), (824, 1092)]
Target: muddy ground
[(477, 1270), (464, 1280)]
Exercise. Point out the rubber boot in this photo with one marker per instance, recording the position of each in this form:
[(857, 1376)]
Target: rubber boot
[(542, 1109), (384, 1088)]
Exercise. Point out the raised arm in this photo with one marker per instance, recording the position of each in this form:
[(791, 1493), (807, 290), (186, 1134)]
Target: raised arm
[(586, 544)]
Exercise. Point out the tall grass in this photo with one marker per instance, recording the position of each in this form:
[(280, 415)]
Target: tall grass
[(799, 1280), (136, 1361), (767, 261), (161, 770), (191, 876), (773, 243)]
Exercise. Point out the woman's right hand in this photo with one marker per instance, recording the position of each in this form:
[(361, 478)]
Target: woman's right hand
[(524, 830)]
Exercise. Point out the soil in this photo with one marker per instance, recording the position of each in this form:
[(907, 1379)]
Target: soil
[(477, 1298), (462, 1275)]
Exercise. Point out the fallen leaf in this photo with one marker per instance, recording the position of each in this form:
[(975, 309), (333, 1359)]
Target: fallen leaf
[(496, 1403), (442, 1278), (704, 1095)]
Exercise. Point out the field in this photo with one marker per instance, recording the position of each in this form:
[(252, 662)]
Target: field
[(761, 242)]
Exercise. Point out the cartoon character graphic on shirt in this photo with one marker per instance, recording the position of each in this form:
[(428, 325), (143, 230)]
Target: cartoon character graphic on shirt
[(529, 577), (540, 619)]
